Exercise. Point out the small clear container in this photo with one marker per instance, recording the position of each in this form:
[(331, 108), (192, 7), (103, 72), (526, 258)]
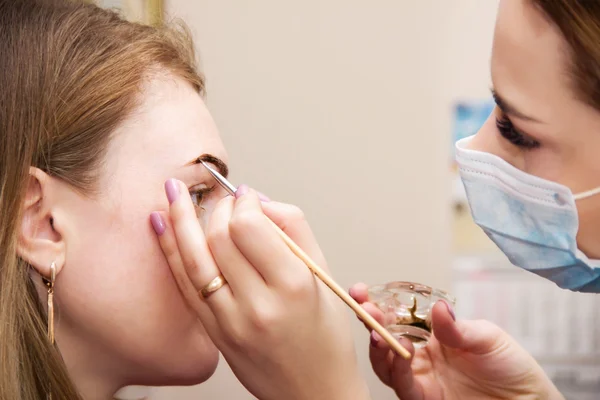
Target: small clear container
[(407, 309)]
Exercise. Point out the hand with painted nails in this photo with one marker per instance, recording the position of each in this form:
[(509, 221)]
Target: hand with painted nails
[(284, 334), (464, 360)]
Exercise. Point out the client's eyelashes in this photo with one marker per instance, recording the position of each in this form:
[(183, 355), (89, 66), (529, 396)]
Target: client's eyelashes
[(198, 194)]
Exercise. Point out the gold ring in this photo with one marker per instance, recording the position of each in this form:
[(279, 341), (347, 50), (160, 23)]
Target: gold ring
[(213, 286)]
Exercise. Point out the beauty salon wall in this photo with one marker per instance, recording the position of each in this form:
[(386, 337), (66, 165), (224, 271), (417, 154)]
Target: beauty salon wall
[(343, 107)]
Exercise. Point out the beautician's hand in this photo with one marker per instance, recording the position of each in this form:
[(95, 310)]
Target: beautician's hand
[(464, 360), (284, 334)]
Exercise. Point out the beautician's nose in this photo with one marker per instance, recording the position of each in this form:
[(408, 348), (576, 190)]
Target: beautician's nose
[(489, 140)]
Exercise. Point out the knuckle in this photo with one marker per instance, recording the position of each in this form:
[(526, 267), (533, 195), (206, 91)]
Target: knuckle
[(171, 252), (182, 283), (291, 216), (245, 223), (300, 287), (294, 214), (263, 319), (216, 234)]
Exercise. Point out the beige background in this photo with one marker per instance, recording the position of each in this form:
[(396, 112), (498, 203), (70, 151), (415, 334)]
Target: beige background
[(343, 107)]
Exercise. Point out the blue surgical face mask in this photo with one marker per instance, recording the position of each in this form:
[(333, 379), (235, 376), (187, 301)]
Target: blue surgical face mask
[(533, 221)]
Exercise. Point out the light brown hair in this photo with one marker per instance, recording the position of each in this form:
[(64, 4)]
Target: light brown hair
[(579, 23), (70, 73)]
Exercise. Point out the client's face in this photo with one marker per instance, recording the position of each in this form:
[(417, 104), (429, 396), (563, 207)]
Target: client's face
[(119, 306)]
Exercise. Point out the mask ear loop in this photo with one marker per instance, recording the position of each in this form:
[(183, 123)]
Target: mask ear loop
[(585, 195)]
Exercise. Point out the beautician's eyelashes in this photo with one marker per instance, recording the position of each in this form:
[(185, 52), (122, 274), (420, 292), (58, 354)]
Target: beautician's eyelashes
[(198, 195), (508, 131)]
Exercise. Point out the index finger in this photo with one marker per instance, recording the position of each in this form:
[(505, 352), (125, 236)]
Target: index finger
[(262, 246), (193, 247)]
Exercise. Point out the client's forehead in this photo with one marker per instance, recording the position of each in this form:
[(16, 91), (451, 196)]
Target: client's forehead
[(171, 127)]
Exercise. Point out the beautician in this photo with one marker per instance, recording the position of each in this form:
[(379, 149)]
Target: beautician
[(532, 177)]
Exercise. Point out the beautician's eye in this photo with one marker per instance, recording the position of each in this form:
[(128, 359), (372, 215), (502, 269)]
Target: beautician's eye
[(508, 131), (198, 196)]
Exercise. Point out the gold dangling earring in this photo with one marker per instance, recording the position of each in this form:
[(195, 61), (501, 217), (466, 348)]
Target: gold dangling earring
[(50, 285)]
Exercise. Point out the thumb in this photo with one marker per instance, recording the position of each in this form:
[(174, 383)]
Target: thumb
[(477, 337), (292, 221)]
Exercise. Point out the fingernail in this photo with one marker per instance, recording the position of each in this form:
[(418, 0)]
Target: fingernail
[(263, 198), (241, 190), (351, 292), (375, 338), (157, 223), (172, 189), (450, 309)]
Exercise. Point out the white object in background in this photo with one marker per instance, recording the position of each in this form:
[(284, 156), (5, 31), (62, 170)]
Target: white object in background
[(136, 10), (560, 328), (134, 393)]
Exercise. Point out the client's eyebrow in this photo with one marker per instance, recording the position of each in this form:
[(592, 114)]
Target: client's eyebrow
[(509, 109), (216, 161)]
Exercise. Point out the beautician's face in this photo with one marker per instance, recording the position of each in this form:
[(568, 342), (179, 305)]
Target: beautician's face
[(551, 134), (118, 299)]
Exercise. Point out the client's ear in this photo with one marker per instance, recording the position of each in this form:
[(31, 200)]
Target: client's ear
[(39, 242)]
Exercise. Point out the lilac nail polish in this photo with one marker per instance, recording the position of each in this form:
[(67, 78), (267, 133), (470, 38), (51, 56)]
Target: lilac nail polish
[(157, 223), (351, 292), (241, 190), (172, 189)]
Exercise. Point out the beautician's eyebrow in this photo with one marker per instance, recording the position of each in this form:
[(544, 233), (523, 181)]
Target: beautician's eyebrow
[(216, 161), (509, 109)]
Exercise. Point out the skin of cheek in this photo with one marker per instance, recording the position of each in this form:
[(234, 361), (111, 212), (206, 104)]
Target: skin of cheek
[(119, 299)]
